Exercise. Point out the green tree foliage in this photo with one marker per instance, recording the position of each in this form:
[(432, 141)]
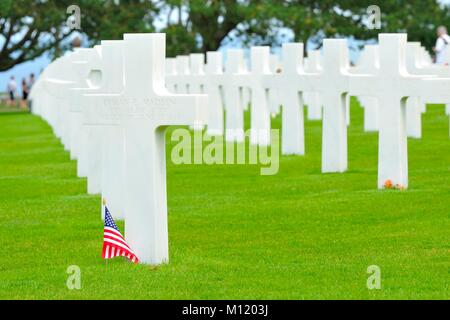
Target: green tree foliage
[(204, 25), (28, 28), (208, 24)]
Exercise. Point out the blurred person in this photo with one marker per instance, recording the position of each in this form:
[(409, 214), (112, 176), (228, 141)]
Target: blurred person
[(30, 85), (441, 44), (25, 91), (32, 80), (76, 42), (12, 87)]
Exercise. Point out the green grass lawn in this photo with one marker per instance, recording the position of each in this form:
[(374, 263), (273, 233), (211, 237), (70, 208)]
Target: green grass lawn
[(12, 109), (234, 234)]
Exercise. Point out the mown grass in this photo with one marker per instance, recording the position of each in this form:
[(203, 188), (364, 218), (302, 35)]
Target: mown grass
[(234, 234), (12, 108)]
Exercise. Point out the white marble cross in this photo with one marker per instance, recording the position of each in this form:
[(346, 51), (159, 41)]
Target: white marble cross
[(332, 86), (77, 78), (368, 63), (391, 85), (39, 96), (182, 76), (274, 95), (105, 139), (213, 87), (259, 107), (87, 66), (246, 91), (185, 74), (291, 83), (232, 89), (146, 108), (88, 138), (45, 105), (196, 78), (58, 80), (312, 64), (57, 84), (417, 105), (414, 105), (196, 73)]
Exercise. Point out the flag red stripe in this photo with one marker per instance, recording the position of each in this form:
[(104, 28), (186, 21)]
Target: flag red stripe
[(115, 251), (117, 244), (111, 250), (114, 231), (122, 241)]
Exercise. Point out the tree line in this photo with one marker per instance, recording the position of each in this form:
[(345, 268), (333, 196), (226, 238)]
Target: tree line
[(30, 28)]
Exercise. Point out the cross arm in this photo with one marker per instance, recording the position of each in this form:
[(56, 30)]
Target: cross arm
[(157, 110), (57, 88), (180, 109), (434, 90), (102, 108), (76, 99)]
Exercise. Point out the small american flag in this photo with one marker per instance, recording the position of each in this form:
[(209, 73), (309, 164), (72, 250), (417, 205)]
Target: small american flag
[(114, 244)]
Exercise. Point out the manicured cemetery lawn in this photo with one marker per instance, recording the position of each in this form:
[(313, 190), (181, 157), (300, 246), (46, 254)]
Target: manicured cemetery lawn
[(234, 234), (11, 109)]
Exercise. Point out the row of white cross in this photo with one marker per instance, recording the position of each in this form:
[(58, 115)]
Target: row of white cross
[(110, 106)]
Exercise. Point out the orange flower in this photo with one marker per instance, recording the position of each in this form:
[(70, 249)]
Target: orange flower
[(388, 184)]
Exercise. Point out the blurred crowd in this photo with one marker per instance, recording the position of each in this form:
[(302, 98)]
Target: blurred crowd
[(18, 94)]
